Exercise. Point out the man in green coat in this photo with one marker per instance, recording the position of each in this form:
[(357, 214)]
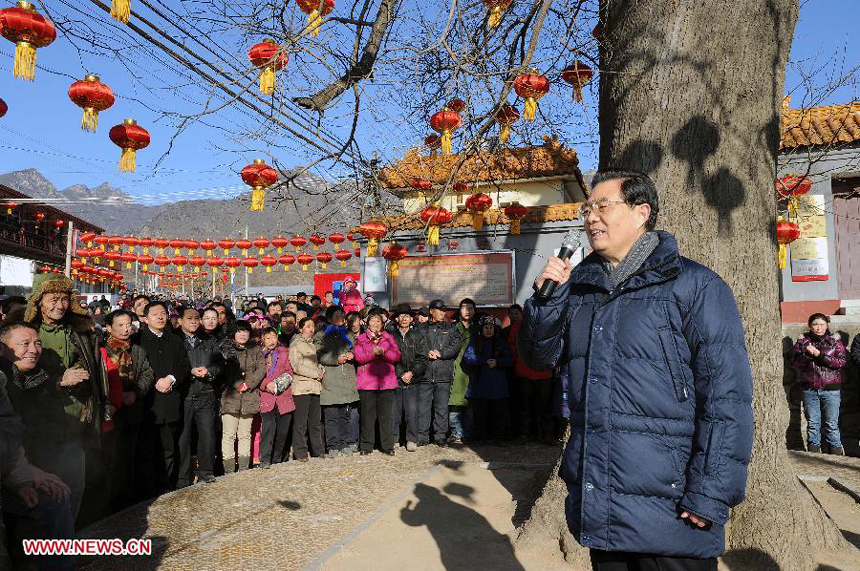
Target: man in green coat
[(457, 403)]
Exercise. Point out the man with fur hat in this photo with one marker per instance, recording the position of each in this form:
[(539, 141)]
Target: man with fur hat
[(69, 359)]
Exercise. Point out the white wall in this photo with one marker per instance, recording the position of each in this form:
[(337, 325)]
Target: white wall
[(527, 193), (16, 271)]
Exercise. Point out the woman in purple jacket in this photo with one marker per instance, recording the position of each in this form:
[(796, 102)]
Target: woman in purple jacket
[(819, 356), (376, 353), (276, 400)]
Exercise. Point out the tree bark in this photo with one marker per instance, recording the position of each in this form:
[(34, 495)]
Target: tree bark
[(690, 93)]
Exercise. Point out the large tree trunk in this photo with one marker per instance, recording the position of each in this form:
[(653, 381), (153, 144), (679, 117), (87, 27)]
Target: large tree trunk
[(690, 93)]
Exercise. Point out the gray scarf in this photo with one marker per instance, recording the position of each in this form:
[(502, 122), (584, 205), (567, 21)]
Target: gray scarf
[(637, 255)]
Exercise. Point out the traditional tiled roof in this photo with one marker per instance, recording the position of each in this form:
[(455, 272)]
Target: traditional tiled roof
[(547, 160), (825, 125), (536, 215)]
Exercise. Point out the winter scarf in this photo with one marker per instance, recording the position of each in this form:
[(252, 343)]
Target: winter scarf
[(631, 263), (120, 355)]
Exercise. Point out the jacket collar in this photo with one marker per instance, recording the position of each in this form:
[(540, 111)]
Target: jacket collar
[(663, 264)]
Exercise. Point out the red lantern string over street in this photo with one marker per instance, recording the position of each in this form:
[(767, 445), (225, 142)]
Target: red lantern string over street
[(145, 243), (120, 10), (191, 245), (457, 105), (374, 231), (161, 244), (111, 257), (226, 243), (505, 116), (432, 142), (145, 259), (577, 75), (130, 137), (177, 244), (316, 240), (478, 203), (531, 86), (297, 242), (28, 30), (786, 233), (790, 188), (434, 216), (261, 244), (515, 212), (269, 261), (115, 242), (496, 8), (179, 262), (93, 96), (287, 260), (86, 238), (270, 58), (315, 14), (244, 245), (445, 122), (280, 243), (337, 239), (393, 252), (131, 242), (208, 246), (259, 176), (101, 241), (232, 263), (129, 259), (3, 108), (304, 260), (197, 262), (344, 256), (323, 258)]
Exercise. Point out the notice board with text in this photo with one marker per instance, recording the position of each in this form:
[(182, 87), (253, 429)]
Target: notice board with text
[(486, 277)]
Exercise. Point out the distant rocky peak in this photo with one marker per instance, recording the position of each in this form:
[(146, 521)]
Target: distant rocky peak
[(30, 182)]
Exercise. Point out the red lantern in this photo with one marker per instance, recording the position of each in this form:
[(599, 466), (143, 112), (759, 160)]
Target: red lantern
[(145, 243), (421, 184), (269, 261), (357, 252), (393, 252), (478, 203), (374, 231), (162, 261), (311, 8), (77, 264), (261, 244), (197, 262), (298, 242), (191, 245), (208, 246), (434, 216), (323, 258), (280, 243), (179, 261), (337, 239), (244, 245), (304, 260), (130, 137), (115, 242), (786, 233), (515, 212), (445, 122), (232, 263), (57, 224), (87, 238), (496, 8), (10, 206), (161, 244), (215, 263), (28, 30), (145, 259), (131, 242), (506, 116), (129, 259), (268, 56), (343, 256), (3, 108), (177, 244), (93, 96), (287, 260), (531, 86), (226, 243), (316, 240), (111, 257), (790, 188), (457, 105), (259, 176), (432, 142), (577, 74), (351, 238)]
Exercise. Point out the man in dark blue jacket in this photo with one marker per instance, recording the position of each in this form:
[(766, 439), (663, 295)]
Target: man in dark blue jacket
[(652, 353)]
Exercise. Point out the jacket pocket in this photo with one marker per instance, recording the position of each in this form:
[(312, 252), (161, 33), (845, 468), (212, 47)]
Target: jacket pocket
[(670, 355)]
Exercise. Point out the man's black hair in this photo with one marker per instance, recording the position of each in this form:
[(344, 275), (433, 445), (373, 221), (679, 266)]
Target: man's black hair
[(11, 303), (315, 297), (155, 303), (636, 187), (10, 326), (183, 308), (515, 306), (111, 317), (288, 314), (236, 326), (137, 297), (330, 310)]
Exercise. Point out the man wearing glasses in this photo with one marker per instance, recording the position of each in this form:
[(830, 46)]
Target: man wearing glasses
[(652, 353)]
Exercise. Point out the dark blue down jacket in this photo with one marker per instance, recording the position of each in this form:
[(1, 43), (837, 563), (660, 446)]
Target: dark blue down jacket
[(660, 393)]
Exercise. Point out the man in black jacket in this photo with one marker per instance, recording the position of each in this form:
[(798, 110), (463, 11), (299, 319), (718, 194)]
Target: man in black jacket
[(158, 444), (201, 404), (410, 370), (443, 346)]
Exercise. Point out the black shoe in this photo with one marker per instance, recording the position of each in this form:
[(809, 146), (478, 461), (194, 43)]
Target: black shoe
[(265, 465), (365, 452), (388, 452), (442, 444), (207, 479), (305, 459), (814, 448)]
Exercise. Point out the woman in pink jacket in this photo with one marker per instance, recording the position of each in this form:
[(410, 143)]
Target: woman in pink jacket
[(276, 400), (350, 298), (376, 353)]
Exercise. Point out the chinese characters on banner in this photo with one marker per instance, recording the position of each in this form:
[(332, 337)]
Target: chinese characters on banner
[(809, 260)]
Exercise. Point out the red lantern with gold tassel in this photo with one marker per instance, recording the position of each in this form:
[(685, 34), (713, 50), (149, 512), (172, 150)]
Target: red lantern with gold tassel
[(130, 137), (250, 264), (244, 245), (344, 256), (145, 243), (197, 262), (304, 260), (179, 262), (191, 245), (337, 239), (145, 260), (297, 242), (131, 242), (270, 58), (269, 261), (115, 242), (207, 246), (177, 244), (287, 260), (515, 212), (393, 252), (323, 258), (374, 231), (28, 30), (129, 259), (786, 233), (280, 243), (259, 176), (505, 116), (477, 204), (232, 263), (496, 8), (315, 13), (531, 86), (316, 240), (351, 238), (215, 263), (577, 75), (226, 244), (93, 96), (435, 216), (790, 188), (261, 244), (112, 257), (445, 122)]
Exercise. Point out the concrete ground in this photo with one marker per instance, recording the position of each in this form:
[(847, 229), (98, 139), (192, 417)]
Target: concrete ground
[(437, 508)]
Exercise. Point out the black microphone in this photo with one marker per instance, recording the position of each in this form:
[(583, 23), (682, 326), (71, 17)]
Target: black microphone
[(569, 244)]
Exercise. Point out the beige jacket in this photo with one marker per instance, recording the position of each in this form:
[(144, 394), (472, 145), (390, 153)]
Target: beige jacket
[(303, 359)]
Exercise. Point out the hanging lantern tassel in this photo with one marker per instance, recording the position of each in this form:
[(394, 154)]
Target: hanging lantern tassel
[(90, 121), (477, 220), (24, 66), (343, 263), (783, 254), (495, 16), (128, 160), (120, 10), (433, 236), (267, 80), (446, 142), (393, 267), (250, 270), (322, 265), (505, 133), (304, 267), (372, 248), (268, 269), (258, 199), (530, 109), (515, 226), (314, 20)]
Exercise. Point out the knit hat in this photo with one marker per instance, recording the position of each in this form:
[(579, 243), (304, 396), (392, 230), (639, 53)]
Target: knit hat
[(50, 283)]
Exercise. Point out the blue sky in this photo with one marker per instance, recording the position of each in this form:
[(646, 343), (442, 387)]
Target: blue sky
[(42, 131)]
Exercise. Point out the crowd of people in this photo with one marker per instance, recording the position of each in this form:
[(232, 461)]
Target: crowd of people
[(108, 405)]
